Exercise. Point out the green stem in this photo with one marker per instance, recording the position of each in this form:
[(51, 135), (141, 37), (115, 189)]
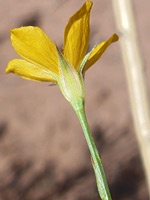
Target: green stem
[(96, 161)]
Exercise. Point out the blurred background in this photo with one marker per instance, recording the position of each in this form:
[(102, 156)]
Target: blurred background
[(43, 152)]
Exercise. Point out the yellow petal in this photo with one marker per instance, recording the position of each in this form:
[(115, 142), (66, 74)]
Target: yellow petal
[(29, 71), (76, 35), (99, 50), (34, 45)]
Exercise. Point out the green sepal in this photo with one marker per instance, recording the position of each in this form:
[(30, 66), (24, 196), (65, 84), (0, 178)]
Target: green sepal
[(82, 64), (71, 83)]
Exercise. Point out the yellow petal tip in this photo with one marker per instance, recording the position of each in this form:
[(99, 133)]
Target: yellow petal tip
[(89, 4), (9, 68), (12, 31), (115, 37), (23, 28)]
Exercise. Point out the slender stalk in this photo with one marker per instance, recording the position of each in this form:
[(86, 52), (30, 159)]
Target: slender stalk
[(133, 63), (96, 161)]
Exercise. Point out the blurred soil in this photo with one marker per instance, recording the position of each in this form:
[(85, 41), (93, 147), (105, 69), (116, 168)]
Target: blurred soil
[(43, 153)]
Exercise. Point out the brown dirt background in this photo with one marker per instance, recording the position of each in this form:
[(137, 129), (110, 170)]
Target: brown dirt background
[(43, 153)]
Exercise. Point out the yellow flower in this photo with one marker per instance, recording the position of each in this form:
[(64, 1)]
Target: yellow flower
[(43, 61)]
